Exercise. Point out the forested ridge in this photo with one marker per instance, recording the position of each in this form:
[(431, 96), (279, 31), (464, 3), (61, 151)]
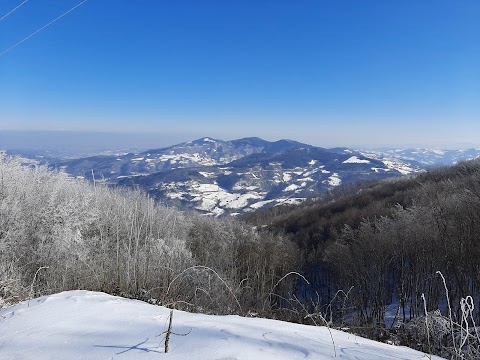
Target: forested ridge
[(413, 242), (396, 260)]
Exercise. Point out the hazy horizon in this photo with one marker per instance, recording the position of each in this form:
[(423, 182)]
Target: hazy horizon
[(82, 143)]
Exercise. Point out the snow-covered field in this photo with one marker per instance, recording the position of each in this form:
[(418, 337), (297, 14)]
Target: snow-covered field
[(91, 325)]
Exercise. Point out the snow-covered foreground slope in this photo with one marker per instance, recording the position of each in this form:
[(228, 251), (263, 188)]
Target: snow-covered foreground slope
[(91, 325)]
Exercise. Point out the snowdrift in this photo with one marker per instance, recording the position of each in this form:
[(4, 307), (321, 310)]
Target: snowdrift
[(91, 325)]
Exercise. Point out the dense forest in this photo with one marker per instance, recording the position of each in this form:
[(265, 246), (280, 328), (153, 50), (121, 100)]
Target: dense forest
[(396, 260)]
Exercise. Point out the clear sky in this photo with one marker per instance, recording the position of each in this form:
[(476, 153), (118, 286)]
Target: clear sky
[(326, 72)]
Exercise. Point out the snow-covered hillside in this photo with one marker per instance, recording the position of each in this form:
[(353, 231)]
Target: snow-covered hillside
[(218, 177), (271, 174), (91, 325)]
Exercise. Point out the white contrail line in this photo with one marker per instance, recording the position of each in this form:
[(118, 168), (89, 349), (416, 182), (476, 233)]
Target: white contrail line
[(13, 10), (42, 28)]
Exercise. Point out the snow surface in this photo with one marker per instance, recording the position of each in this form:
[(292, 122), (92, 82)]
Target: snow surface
[(261, 204), (206, 174), (186, 158), (287, 177), (96, 326), (291, 187), (290, 201), (212, 195), (334, 180), (380, 169), (394, 161), (208, 140), (356, 160), (404, 169)]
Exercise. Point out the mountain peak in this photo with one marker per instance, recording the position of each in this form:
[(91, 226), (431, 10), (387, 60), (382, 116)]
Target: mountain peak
[(204, 140), (207, 139)]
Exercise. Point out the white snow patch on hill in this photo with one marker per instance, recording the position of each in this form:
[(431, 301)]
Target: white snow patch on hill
[(291, 187), (206, 174), (393, 164), (356, 160), (240, 201), (212, 195), (287, 177), (290, 201), (95, 326), (187, 158), (305, 179), (380, 169), (261, 204), (334, 180), (309, 173)]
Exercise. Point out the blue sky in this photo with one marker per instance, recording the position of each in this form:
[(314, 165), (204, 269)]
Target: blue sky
[(327, 72)]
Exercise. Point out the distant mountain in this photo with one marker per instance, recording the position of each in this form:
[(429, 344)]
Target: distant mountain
[(425, 157), (260, 179), (199, 153), (231, 177)]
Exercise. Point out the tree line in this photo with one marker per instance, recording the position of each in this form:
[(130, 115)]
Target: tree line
[(411, 245)]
